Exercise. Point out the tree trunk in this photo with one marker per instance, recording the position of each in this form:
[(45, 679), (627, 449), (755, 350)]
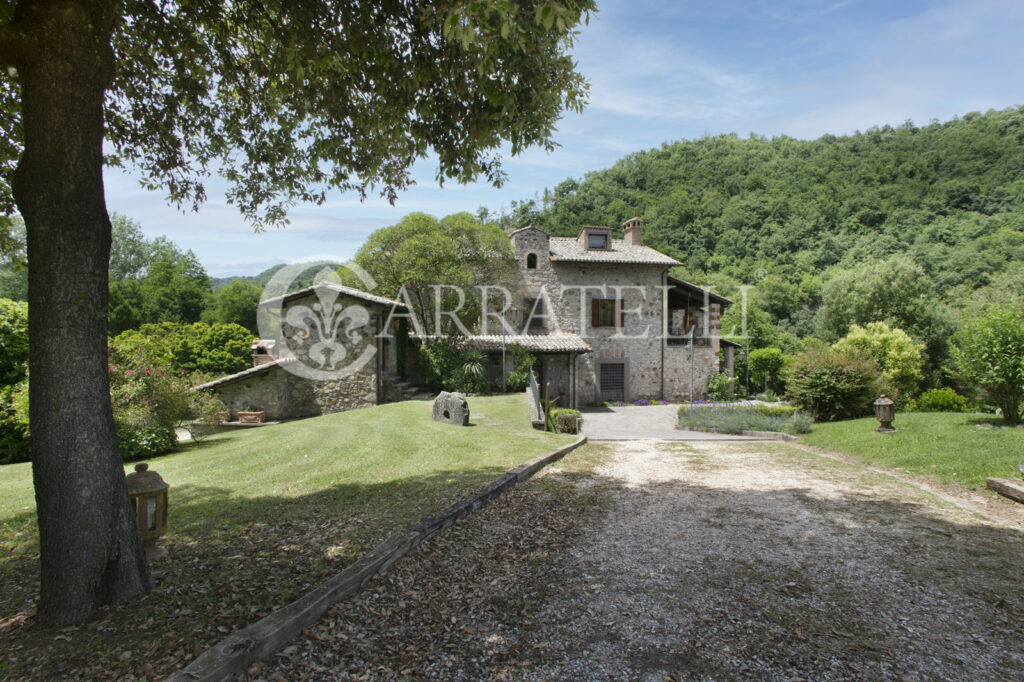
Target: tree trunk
[(91, 553)]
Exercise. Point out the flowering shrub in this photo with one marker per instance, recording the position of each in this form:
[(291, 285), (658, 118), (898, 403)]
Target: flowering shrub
[(739, 418), (720, 387), (148, 397)]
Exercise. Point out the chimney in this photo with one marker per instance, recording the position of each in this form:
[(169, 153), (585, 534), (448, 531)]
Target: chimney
[(631, 231)]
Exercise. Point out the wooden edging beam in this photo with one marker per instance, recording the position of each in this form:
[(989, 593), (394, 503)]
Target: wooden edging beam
[(235, 653), (1012, 488)]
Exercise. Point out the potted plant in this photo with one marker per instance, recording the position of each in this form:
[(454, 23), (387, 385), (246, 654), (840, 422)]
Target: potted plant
[(250, 415)]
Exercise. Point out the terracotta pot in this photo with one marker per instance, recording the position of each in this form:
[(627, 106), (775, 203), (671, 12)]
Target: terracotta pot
[(251, 417)]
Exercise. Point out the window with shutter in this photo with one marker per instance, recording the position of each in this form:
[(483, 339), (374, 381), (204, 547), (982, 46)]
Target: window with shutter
[(602, 312)]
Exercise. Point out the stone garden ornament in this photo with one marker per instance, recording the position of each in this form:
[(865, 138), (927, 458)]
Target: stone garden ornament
[(451, 408)]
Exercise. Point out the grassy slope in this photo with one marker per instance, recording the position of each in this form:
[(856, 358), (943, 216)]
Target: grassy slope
[(269, 512), (947, 446), (378, 446)]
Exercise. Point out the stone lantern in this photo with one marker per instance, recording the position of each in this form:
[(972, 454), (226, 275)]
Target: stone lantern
[(885, 411), (148, 493)]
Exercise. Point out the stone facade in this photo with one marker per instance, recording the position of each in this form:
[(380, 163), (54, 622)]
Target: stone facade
[(283, 395), (651, 367)]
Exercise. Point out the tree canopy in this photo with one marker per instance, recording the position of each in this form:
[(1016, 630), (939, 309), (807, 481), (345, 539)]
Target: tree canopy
[(420, 253)]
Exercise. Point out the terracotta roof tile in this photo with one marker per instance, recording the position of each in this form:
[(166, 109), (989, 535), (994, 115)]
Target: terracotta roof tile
[(568, 249)]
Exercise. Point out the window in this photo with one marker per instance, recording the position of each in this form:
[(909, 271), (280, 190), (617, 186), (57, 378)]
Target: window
[(531, 261), (602, 312), (597, 240)]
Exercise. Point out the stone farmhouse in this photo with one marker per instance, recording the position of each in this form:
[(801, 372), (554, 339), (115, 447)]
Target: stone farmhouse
[(607, 321), (602, 316)]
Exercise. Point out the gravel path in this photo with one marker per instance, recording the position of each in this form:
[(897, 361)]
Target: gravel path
[(669, 561)]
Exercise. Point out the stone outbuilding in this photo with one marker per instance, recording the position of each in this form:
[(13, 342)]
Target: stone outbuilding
[(329, 356)]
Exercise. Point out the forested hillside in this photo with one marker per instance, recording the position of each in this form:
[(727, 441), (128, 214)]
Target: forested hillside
[(939, 208)]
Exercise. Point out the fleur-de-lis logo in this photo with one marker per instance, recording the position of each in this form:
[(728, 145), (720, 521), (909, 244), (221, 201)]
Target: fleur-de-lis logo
[(324, 338), (318, 333)]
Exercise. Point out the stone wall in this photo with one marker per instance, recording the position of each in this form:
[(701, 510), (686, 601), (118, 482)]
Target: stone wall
[(677, 371), (283, 395)]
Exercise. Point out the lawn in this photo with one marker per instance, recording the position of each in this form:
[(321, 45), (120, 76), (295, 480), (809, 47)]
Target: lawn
[(952, 447), (258, 517)]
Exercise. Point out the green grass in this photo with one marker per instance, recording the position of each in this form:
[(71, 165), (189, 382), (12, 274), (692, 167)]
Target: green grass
[(370, 447), (257, 517), (948, 446)]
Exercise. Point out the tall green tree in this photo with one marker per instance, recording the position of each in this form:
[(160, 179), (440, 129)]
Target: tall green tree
[(234, 303), (175, 287), (421, 253), (130, 252), (13, 269), (896, 291), (286, 101)]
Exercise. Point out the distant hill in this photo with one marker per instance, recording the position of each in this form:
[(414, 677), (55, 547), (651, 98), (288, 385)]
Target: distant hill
[(262, 278)]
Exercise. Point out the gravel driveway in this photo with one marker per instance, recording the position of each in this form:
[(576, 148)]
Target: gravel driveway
[(662, 561)]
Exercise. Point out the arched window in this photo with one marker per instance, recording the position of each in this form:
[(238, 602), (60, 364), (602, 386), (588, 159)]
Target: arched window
[(531, 261)]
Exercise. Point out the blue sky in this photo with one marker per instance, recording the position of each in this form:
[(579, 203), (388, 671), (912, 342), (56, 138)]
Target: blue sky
[(669, 70)]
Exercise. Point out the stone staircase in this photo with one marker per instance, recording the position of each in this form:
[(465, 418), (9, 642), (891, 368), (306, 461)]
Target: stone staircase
[(397, 389)]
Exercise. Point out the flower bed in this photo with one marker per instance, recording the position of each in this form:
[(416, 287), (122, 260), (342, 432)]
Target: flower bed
[(726, 418)]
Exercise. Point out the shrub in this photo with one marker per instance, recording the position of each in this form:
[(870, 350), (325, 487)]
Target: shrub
[(766, 369), (13, 341), (720, 387), (566, 420), (831, 385), (939, 400), (739, 418), (14, 431), (209, 348), (439, 361), (897, 356), (516, 381), (988, 353), (800, 422), (148, 395), (141, 442), (448, 369)]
